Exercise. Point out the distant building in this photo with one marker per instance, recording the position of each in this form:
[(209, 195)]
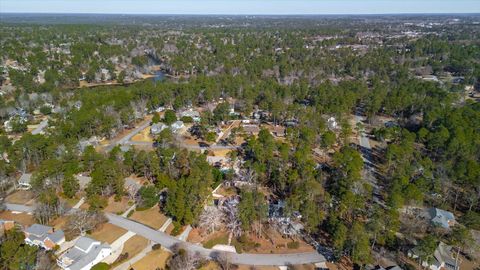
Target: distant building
[(43, 236), (155, 129), (83, 180), (24, 181), (84, 254), (442, 258), (251, 129), (195, 115), (441, 218), (177, 126)]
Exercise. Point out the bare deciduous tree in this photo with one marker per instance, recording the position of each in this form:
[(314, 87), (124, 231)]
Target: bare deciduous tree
[(232, 221), (211, 219), (184, 260), (82, 221)]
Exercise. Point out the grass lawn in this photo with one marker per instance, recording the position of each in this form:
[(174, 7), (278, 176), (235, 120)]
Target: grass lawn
[(117, 207), (210, 265), (20, 197), (107, 233), (154, 259), (151, 217), (134, 245), (218, 240), (59, 222), (22, 218)]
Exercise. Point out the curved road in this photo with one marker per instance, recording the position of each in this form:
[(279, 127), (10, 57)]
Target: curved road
[(168, 241), (249, 259)]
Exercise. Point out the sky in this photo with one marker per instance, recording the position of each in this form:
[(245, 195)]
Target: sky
[(240, 7)]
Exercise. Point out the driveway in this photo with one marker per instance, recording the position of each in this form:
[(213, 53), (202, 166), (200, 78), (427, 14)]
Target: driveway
[(19, 208), (41, 126), (125, 139), (244, 258)]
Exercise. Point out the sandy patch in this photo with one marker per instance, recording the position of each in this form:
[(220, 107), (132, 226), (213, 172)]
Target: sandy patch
[(143, 136)]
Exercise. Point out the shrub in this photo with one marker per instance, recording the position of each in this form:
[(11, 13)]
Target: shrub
[(156, 247), (293, 245), (101, 266)]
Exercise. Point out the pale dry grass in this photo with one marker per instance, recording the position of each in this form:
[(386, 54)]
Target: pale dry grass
[(20, 197), (151, 217), (21, 218), (107, 233), (134, 245), (153, 260), (143, 136)]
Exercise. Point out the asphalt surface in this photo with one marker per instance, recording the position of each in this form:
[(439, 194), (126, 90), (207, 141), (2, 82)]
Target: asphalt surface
[(19, 208), (40, 127), (169, 242), (249, 259), (125, 139)]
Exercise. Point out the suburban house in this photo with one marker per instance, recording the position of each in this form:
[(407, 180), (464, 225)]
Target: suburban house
[(84, 254), (83, 180), (24, 181), (43, 236), (157, 128), (441, 218), (177, 126), (195, 115), (443, 258)]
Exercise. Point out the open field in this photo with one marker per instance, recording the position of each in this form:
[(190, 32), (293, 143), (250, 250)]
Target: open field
[(107, 233), (21, 218), (153, 260), (20, 197), (151, 217)]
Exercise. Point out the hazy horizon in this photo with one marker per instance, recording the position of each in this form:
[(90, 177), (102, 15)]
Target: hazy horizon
[(237, 7)]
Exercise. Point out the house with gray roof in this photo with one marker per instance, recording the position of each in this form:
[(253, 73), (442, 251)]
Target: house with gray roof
[(443, 258), (43, 236), (157, 128), (84, 254), (441, 218)]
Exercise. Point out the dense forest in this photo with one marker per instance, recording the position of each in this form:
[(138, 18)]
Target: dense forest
[(298, 74)]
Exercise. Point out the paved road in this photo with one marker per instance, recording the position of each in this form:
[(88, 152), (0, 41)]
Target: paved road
[(168, 241), (125, 139), (248, 259), (368, 170), (19, 208)]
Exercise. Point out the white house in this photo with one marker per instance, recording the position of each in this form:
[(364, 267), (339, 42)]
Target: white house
[(84, 254)]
